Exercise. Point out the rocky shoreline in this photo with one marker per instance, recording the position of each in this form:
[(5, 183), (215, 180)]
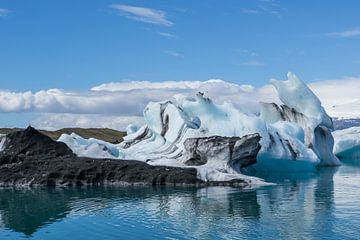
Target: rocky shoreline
[(29, 158)]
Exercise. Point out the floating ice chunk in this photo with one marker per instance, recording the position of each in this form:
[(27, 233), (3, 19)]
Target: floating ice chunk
[(347, 143)]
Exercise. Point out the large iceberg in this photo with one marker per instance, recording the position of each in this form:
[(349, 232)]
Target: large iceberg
[(220, 140), (347, 143)]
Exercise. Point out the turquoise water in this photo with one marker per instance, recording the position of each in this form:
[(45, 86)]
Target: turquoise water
[(321, 205)]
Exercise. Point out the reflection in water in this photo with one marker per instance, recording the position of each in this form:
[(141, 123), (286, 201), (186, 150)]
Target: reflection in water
[(353, 162), (299, 206), (26, 211)]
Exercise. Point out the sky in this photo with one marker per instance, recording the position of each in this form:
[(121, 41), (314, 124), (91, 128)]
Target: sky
[(55, 54)]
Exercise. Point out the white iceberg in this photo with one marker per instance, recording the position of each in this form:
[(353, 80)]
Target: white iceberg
[(294, 137), (347, 143), (91, 147)]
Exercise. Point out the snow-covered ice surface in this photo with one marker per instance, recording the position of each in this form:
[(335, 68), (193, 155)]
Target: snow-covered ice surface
[(2, 141), (295, 136), (90, 147), (347, 143), (295, 94)]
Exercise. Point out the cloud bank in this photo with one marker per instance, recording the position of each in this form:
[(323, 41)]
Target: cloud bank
[(127, 98), (117, 104)]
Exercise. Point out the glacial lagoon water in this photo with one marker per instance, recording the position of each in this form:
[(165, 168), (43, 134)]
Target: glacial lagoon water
[(320, 205)]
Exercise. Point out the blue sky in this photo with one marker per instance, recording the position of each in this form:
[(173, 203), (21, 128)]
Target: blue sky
[(77, 44)]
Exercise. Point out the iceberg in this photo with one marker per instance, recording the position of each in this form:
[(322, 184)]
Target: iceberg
[(219, 140), (347, 143), (91, 147)]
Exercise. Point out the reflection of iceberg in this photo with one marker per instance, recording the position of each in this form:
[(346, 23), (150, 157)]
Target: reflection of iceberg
[(301, 206), (347, 143), (33, 212), (27, 211), (291, 209), (294, 136)]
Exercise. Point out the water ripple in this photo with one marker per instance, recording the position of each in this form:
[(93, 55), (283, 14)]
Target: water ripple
[(321, 206)]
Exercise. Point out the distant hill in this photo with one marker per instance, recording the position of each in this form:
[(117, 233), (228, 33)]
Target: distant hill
[(106, 134), (340, 123)]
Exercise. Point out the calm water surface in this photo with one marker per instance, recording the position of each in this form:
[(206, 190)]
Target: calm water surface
[(321, 205)]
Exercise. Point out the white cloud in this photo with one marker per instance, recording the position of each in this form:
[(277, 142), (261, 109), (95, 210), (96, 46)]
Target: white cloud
[(53, 121), (4, 12), (114, 105), (171, 85), (252, 63), (142, 14), (272, 9), (346, 34), (269, 7), (167, 35), (249, 11), (127, 99), (174, 54), (217, 89), (249, 58), (58, 101), (246, 53)]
